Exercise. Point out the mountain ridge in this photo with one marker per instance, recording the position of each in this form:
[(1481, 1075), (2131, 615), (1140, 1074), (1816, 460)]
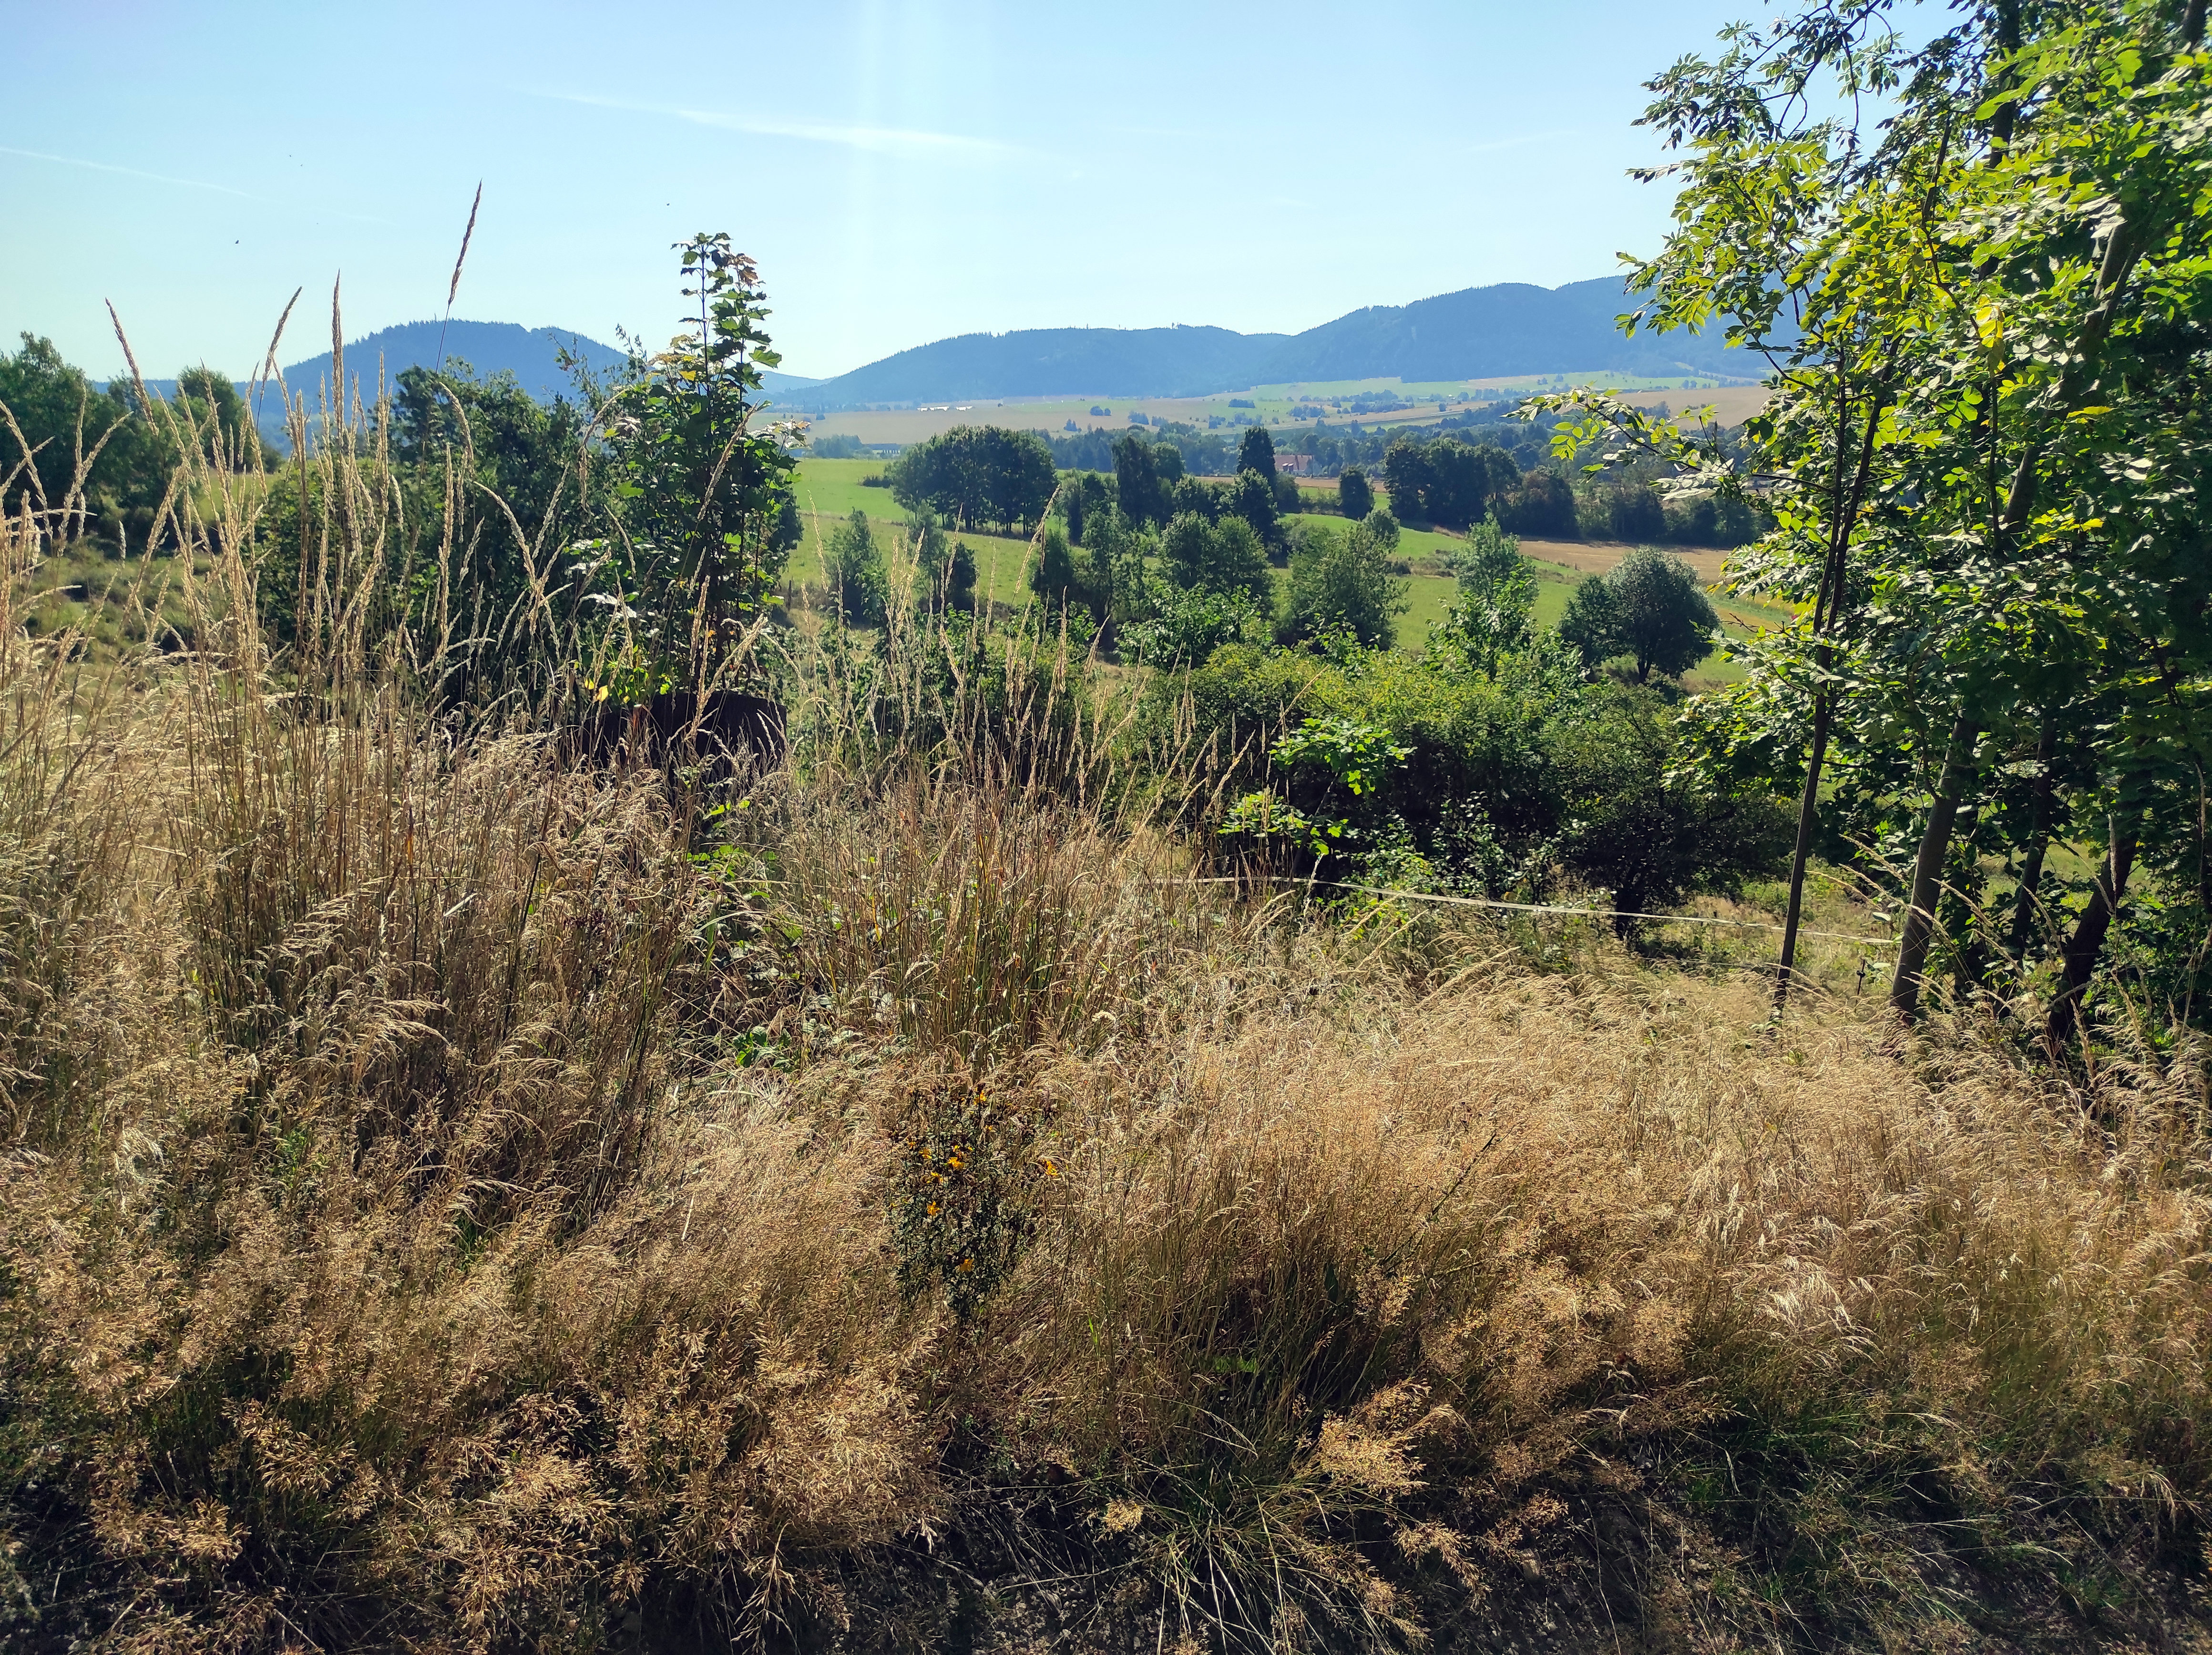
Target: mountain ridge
[(1504, 331)]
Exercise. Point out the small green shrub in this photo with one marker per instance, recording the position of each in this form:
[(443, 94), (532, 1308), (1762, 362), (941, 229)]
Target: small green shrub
[(962, 1193)]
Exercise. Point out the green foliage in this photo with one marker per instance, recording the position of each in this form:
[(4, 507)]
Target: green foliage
[(1592, 623), (1665, 619), (515, 454), (959, 584), (1083, 495), (1251, 496), (1542, 505), (1226, 556), (1352, 756), (213, 418), (1356, 756), (1064, 576), (1631, 513), (1185, 625), (1490, 617), (696, 550), (1151, 488), (1502, 784), (977, 475), (853, 568), (944, 568), (55, 418), (1645, 825), (1988, 317), (1341, 583), (1445, 481), (841, 446), (1256, 452), (1355, 495)]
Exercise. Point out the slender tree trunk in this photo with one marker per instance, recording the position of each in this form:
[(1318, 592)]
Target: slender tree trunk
[(2039, 843), (1823, 706), (2008, 43), (1928, 872), (2087, 944), (1825, 605)]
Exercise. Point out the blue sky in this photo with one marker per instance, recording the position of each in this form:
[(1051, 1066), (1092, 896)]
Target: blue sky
[(902, 172)]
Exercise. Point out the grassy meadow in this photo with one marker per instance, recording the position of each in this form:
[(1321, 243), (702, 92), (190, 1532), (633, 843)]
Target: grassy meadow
[(924, 1191)]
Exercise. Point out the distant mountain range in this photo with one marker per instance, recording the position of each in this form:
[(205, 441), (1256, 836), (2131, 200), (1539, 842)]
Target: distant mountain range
[(1478, 333)]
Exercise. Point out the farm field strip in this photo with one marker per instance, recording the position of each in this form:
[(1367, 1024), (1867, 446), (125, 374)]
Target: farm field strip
[(1272, 406)]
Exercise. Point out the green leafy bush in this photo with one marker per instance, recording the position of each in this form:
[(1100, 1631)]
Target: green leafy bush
[(853, 568), (1341, 583)]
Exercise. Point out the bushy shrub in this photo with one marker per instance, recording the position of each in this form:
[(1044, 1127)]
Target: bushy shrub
[(1490, 617), (1223, 557), (852, 569), (1342, 583), (1519, 778), (1355, 495)]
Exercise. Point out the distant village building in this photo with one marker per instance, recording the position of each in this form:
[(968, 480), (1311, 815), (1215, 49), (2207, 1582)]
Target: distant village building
[(1296, 464)]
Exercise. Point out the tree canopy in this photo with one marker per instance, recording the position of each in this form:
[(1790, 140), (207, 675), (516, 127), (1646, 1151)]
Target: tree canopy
[(1987, 319), (1445, 481), (1341, 583), (975, 476)]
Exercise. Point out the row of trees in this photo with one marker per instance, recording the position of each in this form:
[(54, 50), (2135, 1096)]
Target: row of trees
[(98, 464), (1446, 482), (976, 475)]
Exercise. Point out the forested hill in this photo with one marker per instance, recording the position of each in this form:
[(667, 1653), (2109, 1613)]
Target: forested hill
[(1496, 332), (1176, 361), (1479, 332), (532, 354)]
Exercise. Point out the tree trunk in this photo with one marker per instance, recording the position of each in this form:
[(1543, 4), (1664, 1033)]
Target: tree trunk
[(1927, 872), (2039, 843), (2087, 944), (1823, 705)]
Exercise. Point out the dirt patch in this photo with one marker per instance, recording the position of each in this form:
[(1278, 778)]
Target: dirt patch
[(1596, 556)]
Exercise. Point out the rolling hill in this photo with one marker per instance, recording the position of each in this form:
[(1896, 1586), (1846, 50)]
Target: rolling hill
[(1493, 332), (532, 354)]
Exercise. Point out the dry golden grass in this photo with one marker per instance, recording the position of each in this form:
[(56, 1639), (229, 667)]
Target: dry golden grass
[(455, 1201)]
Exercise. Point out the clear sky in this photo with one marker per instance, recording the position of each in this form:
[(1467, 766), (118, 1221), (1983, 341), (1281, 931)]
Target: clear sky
[(902, 169)]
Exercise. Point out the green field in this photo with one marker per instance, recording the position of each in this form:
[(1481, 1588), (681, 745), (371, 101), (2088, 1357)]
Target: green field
[(831, 490)]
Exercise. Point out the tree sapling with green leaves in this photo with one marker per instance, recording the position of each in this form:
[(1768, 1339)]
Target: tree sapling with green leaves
[(698, 543)]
